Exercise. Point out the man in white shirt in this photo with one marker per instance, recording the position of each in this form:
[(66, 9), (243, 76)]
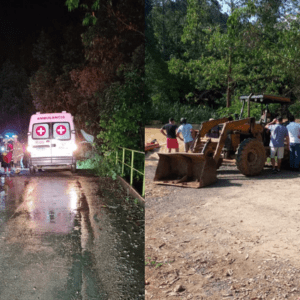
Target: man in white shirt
[(185, 130), (294, 136)]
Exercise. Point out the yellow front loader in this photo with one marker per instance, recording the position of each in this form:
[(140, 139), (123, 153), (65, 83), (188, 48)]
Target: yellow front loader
[(242, 138)]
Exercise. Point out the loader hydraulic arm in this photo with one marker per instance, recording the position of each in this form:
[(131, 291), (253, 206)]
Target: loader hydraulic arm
[(205, 128), (228, 128), (208, 125)]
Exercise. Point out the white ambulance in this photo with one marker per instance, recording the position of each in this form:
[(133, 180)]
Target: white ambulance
[(51, 141)]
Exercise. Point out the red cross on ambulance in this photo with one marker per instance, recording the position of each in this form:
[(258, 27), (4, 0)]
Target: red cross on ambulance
[(61, 130), (40, 131)]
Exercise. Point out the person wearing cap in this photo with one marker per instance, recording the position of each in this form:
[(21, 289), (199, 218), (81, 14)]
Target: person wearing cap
[(170, 133), (279, 133), (294, 136), (186, 131)]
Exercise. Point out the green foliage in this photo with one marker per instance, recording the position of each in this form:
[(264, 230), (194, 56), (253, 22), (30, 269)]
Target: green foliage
[(89, 20), (257, 51), (101, 165), (255, 109), (236, 107), (123, 124), (72, 4), (167, 21), (295, 109), (14, 96), (195, 114)]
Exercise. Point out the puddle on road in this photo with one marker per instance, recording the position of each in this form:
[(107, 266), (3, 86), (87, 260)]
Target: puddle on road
[(52, 226), (10, 196), (45, 234)]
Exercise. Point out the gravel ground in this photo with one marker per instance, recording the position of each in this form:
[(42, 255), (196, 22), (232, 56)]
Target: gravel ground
[(236, 239)]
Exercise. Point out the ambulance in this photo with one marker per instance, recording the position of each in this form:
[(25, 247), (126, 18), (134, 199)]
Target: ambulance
[(51, 141)]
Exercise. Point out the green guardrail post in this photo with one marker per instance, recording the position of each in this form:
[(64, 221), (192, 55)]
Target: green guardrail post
[(131, 166), (144, 176), (116, 156), (131, 171), (123, 161)]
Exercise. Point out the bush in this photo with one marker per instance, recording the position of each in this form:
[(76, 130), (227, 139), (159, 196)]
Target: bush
[(295, 109), (123, 125), (195, 114), (255, 109), (105, 165), (101, 165)]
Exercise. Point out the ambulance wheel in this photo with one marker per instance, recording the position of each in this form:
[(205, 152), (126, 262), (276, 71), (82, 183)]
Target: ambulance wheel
[(31, 170), (73, 168)]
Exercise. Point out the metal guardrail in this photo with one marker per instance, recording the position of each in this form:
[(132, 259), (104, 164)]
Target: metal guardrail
[(131, 166)]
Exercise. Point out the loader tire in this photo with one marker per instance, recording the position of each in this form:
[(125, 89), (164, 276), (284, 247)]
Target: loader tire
[(251, 157)]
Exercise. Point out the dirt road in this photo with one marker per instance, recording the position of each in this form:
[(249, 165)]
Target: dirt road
[(66, 236), (237, 239)]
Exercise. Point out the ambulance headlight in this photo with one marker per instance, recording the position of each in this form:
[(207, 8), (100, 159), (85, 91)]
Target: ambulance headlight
[(74, 147), (2, 149)]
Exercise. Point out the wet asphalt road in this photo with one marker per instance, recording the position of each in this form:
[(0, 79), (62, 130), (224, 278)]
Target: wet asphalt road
[(58, 240)]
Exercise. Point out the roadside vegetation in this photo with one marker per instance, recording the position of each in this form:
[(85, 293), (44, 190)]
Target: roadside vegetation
[(200, 59), (92, 68)]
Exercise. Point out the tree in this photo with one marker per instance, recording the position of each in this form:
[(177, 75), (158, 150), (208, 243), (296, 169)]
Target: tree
[(15, 101)]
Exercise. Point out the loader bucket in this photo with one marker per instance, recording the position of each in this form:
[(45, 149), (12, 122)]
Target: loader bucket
[(194, 170)]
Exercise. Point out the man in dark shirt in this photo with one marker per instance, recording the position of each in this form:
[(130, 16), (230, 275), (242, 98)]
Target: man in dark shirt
[(170, 129)]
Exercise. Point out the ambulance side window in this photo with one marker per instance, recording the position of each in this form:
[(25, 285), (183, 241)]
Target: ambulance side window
[(61, 131), (40, 131)]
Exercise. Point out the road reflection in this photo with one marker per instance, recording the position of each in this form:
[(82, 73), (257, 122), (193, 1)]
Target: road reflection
[(3, 193), (7, 207), (50, 204)]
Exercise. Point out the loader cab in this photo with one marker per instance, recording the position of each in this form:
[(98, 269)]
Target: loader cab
[(266, 116), (265, 101)]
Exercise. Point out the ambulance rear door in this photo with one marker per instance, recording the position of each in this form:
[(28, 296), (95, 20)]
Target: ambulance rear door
[(41, 142), (61, 143)]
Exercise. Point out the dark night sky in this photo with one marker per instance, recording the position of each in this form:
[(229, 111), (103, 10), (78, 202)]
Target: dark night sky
[(21, 22)]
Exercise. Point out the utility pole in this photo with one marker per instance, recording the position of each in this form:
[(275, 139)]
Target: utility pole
[(163, 28), (229, 81), (229, 91)]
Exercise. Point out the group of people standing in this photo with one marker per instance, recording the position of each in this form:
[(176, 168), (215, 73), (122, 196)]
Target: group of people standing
[(280, 134), (13, 155), (172, 132)]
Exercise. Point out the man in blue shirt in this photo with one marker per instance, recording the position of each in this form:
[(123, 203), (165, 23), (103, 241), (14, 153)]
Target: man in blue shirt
[(185, 130), (279, 133)]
